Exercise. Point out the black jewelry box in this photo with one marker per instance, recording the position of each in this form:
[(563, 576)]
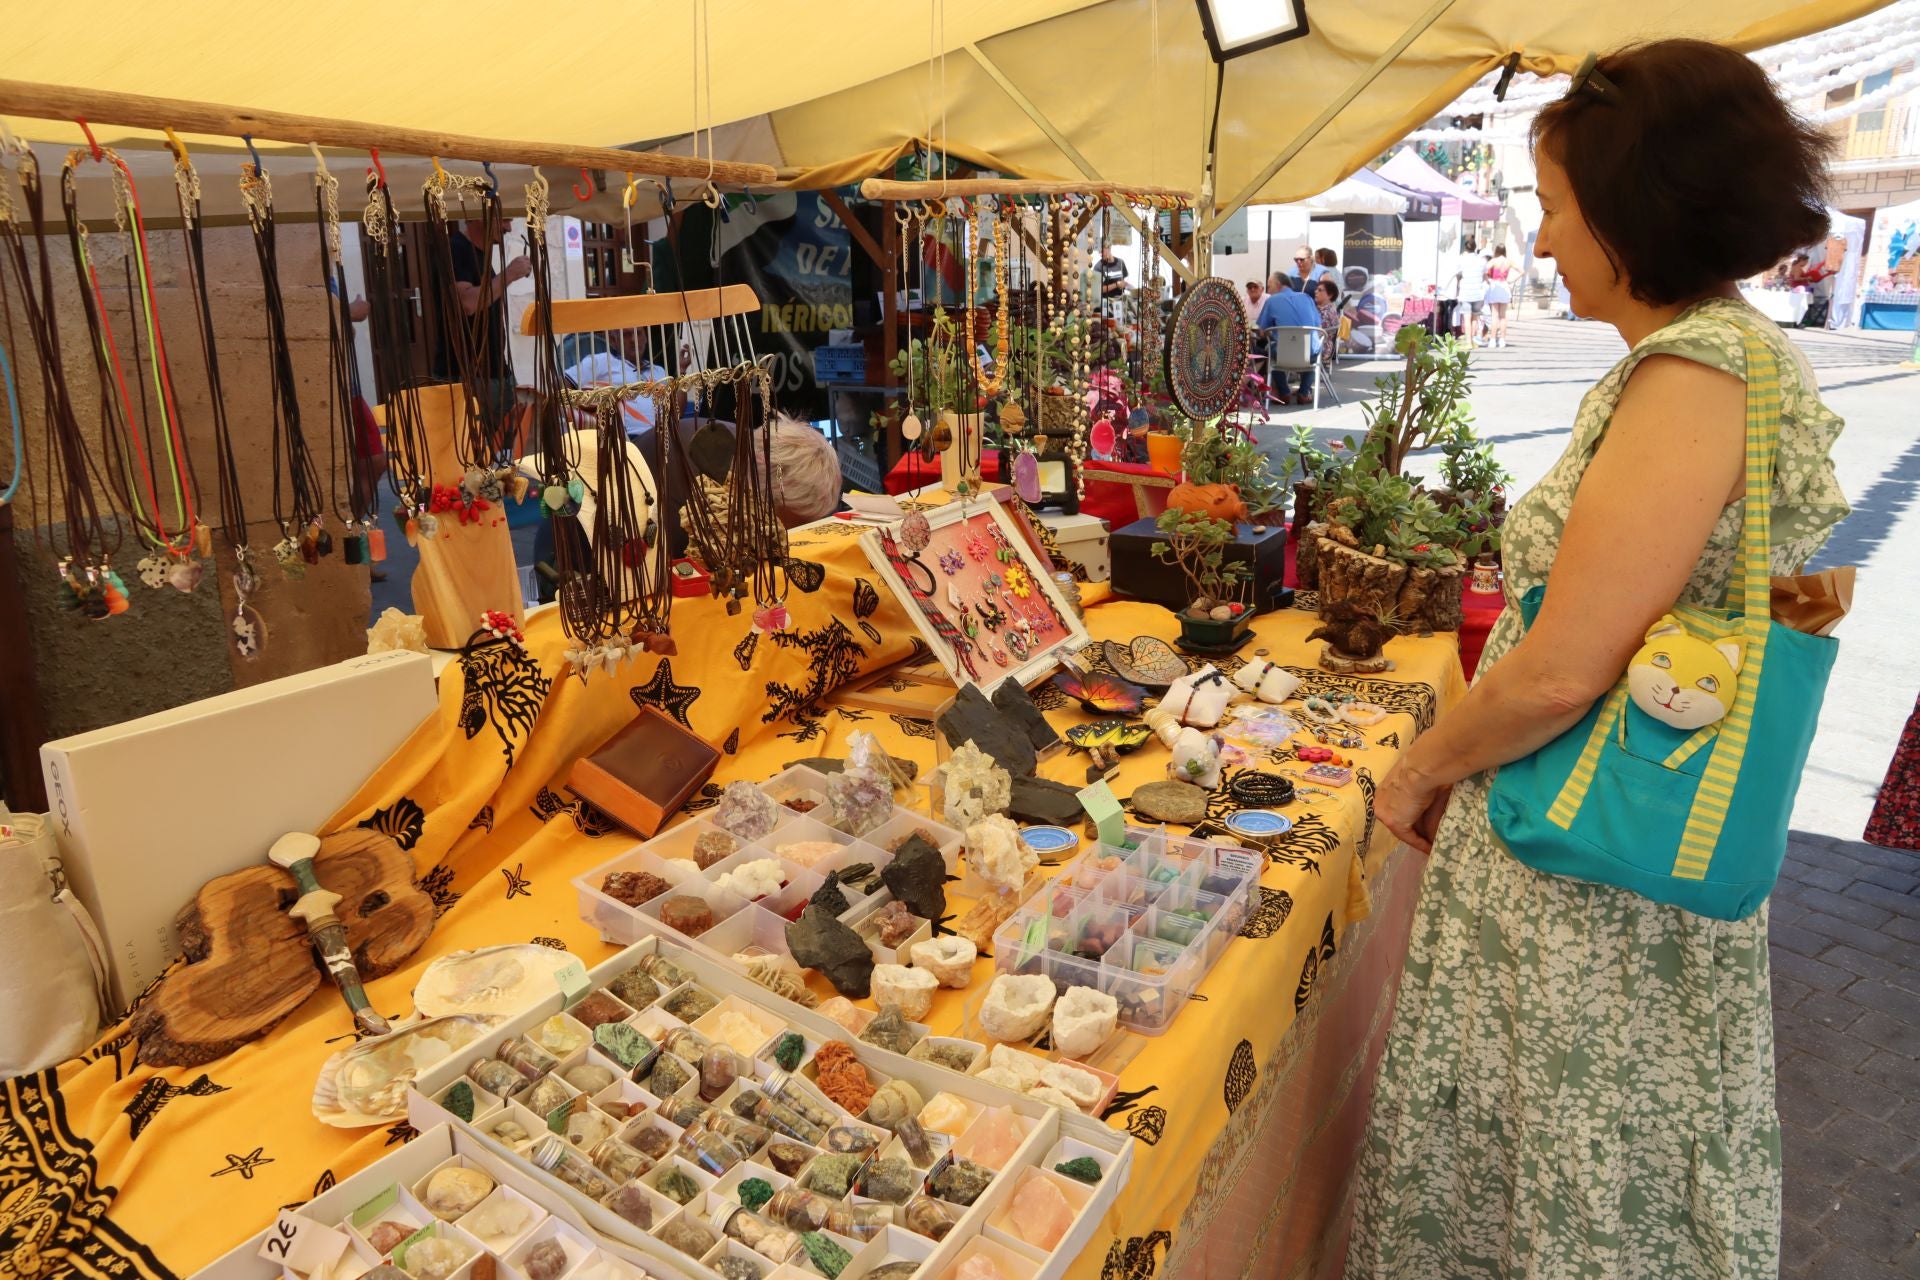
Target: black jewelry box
[(1138, 575)]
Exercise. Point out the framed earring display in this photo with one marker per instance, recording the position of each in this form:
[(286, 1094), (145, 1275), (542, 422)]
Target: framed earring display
[(982, 598)]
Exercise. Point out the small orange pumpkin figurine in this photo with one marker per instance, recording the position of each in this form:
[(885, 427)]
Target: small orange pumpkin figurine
[(1221, 501)]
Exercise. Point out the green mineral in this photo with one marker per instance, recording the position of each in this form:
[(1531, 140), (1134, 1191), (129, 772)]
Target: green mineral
[(961, 1182), (825, 1254), (458, 1100), (623, 1044), (755, 1192), (1081, 1169), (677, 1185), (789, 1049), (832, 1175)]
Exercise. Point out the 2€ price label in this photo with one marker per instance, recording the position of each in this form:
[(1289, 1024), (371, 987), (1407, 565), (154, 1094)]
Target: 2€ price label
[(301, 1245)]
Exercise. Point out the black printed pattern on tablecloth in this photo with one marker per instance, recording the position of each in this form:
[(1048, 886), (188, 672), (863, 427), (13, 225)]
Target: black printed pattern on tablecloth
[(866, 602), (833, 658), (705, 798), (1275, 906), (484, 818), (1407, 697), (1136, 1257), (402, 1132), (323, 1184), (732, 744), (1241, 1075), (808, 575), (852, 715), (54, 1214), (1317, 954), (1391, 740), (504, 688), (743, 652), (437, 884), (660, 691), (912, 726), (544, 941), (402, 821), (1363, 778), (1144, 1123), (518, 886), (156, 1092), (547, 805), (246, 1166)]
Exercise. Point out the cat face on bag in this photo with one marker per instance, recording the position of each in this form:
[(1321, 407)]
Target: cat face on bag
[(1683, 681)]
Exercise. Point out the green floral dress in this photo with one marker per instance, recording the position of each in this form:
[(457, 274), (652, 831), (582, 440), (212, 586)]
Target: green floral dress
[(1579, 1081)]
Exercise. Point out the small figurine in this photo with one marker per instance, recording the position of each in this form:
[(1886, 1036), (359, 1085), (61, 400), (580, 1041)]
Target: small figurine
[(1354, 637)]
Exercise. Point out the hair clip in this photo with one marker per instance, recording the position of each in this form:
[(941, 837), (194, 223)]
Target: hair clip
[(1590, 77)]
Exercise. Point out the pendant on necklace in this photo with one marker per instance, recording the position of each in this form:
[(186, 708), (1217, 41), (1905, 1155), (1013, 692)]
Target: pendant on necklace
[(910, 427), (773, 617), (376, 543), (429, 525), (553, 499), (152, 569), (184, 575), (1026, 477)]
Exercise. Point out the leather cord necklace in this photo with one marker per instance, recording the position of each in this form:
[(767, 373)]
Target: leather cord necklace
[(409, 461), (363, 542), (474, 346), (303, 540)]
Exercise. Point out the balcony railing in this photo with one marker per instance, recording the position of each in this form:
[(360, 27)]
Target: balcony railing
[(1897, 136)]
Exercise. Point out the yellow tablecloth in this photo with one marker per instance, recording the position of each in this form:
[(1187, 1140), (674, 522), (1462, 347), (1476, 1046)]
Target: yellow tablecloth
[(112, 1168)]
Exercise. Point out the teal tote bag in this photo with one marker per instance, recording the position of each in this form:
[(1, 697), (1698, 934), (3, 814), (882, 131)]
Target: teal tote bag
[(1692, 817)]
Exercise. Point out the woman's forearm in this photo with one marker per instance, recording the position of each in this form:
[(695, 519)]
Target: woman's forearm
[(1513, 710)]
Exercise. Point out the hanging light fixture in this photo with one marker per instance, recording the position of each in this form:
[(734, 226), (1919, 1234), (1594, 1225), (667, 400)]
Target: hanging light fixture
[(1234, 27)]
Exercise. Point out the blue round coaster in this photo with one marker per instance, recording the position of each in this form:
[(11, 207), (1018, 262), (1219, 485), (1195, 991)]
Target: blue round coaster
[(1259, 823), (1049, 840)]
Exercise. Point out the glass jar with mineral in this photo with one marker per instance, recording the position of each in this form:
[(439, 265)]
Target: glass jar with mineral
[(926, 1216), (719, 1068), (663, 971), (776, 1114), (781, 1087), (619, 1161), (684, 1043), (711, 1150), (768, 1239), (684, 1112), (799, 1209), (495, 1076), (859, 1221), (744, 1133), (554, 1155), (528, 1058)]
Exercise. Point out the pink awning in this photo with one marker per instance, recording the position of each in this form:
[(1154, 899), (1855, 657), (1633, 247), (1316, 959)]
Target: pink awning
[(1409, 170)]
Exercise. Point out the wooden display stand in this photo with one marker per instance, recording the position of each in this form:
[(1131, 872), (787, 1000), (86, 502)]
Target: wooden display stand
[(464, 570)]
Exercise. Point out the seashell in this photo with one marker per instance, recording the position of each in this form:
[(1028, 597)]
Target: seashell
[(780, 975), (489, 980), (366, 1083)]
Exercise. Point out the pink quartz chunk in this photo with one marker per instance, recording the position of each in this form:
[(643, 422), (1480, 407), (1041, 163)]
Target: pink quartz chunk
[(1040, 1213)]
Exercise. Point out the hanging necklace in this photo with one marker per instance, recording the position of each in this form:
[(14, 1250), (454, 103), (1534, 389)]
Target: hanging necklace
[(474, 343), (135, 454), (364, 542), (990, 386), (560, 486), (410, 462), (911, 429)]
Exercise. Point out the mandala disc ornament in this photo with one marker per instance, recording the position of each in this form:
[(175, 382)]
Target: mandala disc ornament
[(1206, 357)]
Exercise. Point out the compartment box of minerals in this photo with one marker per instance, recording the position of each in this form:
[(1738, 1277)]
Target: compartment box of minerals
[(991, 1182)]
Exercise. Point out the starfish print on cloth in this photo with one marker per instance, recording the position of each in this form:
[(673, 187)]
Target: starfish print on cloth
[(660, 691), (245, 1165)]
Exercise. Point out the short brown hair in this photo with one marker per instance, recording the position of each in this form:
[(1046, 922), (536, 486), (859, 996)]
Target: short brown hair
[(1688, 167)]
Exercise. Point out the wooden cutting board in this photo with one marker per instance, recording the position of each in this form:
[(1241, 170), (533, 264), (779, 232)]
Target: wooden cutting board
[(249, 964)]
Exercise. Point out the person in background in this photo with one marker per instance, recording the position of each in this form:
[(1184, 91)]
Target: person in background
[(1252, 302), (1326, 263), (1326, 300), (1499, 296), (1446, 304), (1286, 305), (1113, 275), (484, 308), (1471, 276)]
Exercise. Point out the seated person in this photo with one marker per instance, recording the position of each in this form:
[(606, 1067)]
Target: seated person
[(1286, 305)]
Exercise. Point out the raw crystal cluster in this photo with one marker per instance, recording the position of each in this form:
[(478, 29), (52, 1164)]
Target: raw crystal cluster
[(1040, 1213), (890, 1031), (908, 990), (893, 923), (710, 847), (996, 853), (633, 887), (841, 1076), (746, 812), (760, 878), (975, 786)]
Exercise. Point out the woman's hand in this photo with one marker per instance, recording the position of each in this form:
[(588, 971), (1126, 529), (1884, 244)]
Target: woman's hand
[(1410, 807)]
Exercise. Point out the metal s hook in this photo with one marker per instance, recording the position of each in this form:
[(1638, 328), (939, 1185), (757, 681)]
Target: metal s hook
[(711, 197), (583, 194), (378, 169), (667, 200), (84, 128), (753, 203), (493, 183)]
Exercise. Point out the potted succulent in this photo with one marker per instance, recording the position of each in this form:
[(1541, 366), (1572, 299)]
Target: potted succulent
[(1217, 616), (1213, 462), (1469, 470), (1315, 465)]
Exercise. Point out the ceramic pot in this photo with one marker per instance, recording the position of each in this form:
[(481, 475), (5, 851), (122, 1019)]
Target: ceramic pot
[(1214, 633)]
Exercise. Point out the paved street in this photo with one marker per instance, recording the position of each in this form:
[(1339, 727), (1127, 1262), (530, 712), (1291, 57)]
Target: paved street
[(1846, 916)]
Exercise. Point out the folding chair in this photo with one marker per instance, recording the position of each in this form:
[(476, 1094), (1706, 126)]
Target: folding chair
[(1290, 350)]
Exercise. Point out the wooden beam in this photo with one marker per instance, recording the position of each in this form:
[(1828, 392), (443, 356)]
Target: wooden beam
[(855, 228), (643, 310), (1067, 148), (100, 106), (887, 189), (1326, 116)]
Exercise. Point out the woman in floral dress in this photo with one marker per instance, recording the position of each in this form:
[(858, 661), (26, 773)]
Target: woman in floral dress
[(1579, 1081)]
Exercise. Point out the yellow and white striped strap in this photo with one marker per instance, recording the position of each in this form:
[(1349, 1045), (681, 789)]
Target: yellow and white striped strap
[(1573, 793), (1715, 793)]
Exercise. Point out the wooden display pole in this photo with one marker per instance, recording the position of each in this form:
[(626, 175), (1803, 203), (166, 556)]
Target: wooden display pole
[(464, 569), (100, 106), (887, 189)]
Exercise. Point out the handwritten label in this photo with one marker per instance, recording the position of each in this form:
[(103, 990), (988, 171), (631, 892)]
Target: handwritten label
[(302, 1245), (381, 1202), (574, 985), (1104, 808)]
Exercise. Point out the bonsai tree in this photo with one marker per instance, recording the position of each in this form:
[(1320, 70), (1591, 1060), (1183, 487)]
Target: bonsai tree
[(1196, 544)]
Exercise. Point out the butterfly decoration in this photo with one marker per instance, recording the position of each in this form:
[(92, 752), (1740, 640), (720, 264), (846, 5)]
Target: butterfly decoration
[(1118, 736), (1098, 692), (1147, 661)]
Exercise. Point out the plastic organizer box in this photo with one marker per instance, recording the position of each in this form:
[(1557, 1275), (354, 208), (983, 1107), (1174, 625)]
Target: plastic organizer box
[(1143, 924), (759, 925)]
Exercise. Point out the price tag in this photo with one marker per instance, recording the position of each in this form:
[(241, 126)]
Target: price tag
[(1104, 808), (574, 985), (302, 1245), (379, 1204), (1031, 941)]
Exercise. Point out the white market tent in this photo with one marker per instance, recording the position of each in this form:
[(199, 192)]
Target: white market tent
[(1350, 195), (834, 93)]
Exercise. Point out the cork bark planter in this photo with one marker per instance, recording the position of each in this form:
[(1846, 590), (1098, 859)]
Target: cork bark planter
[(1429, 599), (1368, 581), (1306, 554)]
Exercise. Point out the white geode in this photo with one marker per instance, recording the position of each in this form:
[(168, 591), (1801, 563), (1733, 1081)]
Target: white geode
[(1082, 1020), (1196, 759), (949, 959), (1083, 1087), (975, 786), (1052, 1097), (997, 854), (1005, 1079), (1023, 1067), (1016, 1007), (755, 879), (911, 990)]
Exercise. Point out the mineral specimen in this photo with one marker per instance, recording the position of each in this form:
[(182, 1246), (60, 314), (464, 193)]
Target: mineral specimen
[(841, 1077), (908, 990), (691, 1004), (587, 1128), (954, 1057), (860, 877), (890, 1031), (975, 785), (1084, 1087), (509, 1132), (650, 1140), (805, 853), (454, 1190), (778, 974), (961, 1182), (667, 1076), (710, 847), (994, 1137), (622, 1043), (917, 876), (946, 1114), (788, 1158), (789, 1049), (1016, 1007), (948, 959), (1042, 800), (927, 1217), (545, 1261), (758, 878), (598, 1008), (631, 1203), (754, 1192), (996, 853), (688, 1236), (893, 1102), (684, 912), (980, 1266), (677, 1185), (385, 1235), (588, 1077), (829, 1257), (1002, 1077), (851, 1139), (458, 1099), (1171, 801), (832, 1175), (1022, 1066), (818, 941), (893, 924), (1083, 1018), (1040, 1213), (897, 1270), (633, 887), (732, 1268), (499, 1220), (972, 718), (544, 1095), (1052, 1097), (1013, 702), (829, 898), (1081, 1169), (892, 1180), (746, 812), (987, 914), (557, 1036), (437, 1257), (858, 801), (841, 1010)]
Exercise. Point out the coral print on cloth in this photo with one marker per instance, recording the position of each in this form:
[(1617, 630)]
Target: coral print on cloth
[(1579, 1081)]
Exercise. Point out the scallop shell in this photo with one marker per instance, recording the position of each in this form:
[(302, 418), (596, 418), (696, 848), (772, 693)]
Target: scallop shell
[(489, 980), (366, 1084), (780, 975)]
